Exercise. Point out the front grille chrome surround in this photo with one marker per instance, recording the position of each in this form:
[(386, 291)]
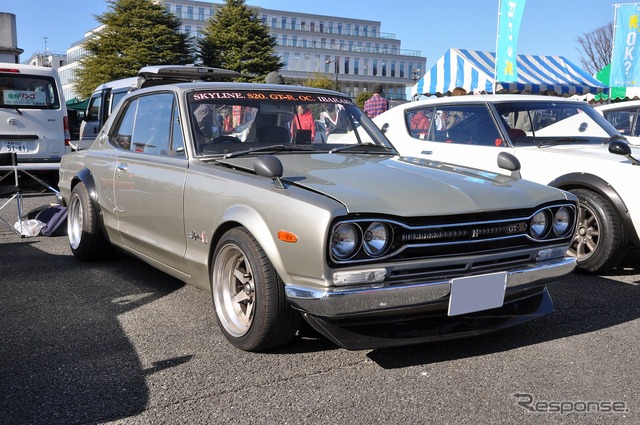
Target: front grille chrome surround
[(451, 237)]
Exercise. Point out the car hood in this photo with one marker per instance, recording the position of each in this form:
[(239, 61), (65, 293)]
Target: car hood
[(407, 186)]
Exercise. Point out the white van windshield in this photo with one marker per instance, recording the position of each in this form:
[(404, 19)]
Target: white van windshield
[(28, 92)]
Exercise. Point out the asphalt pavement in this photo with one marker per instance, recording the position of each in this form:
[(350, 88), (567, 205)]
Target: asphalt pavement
[(120, 342)]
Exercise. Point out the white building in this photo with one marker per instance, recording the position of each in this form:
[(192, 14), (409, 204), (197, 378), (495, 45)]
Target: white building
[(354, 52)]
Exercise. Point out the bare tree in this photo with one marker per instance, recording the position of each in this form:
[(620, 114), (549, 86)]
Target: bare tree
[(595, 48)]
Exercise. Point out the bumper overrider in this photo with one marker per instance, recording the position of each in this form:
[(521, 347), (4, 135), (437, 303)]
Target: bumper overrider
[(383, 316)]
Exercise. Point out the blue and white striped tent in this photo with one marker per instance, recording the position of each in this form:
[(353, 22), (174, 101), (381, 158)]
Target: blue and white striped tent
[(474, 71)]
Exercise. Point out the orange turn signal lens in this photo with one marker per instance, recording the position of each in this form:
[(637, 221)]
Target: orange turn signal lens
[(285, 236)]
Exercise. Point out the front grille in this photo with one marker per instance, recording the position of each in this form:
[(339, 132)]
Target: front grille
[(504, 232)]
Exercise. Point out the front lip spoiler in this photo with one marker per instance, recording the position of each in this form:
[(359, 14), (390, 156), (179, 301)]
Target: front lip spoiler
[(341, 302), (420, 330)]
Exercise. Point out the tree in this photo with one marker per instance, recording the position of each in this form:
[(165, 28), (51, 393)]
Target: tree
[(136, 33), (596, 48), (320, 81), (362, 98), (235, 38)]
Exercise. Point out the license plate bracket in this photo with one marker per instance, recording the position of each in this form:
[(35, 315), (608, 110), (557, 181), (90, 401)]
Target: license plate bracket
[(477, 293)]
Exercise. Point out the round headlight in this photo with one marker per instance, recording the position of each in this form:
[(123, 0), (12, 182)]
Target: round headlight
[(344, 241), (539, 225), (561, 221), (375, 239)]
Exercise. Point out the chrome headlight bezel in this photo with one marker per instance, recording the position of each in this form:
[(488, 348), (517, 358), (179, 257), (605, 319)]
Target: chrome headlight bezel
[(376, 239), (347, 235), (562, 222), (539, 224)]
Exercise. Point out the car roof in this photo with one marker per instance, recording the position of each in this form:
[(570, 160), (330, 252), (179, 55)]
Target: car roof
[(492, 98), (246, 86)]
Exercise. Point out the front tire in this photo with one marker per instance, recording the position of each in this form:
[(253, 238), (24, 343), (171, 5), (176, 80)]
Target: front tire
[(248, 296), (86, 239), (600, 242)]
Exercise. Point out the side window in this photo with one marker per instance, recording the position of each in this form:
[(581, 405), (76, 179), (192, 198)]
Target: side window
[(116, 97), (468, 124), (621, 120), (152, 126), (93, 110), (121, 136), (419, 122), (635, 126)]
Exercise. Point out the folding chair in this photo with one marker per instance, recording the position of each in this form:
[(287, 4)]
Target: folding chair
[(11, 191)]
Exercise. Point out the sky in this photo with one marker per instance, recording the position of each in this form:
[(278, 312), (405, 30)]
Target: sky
[(549, 27)]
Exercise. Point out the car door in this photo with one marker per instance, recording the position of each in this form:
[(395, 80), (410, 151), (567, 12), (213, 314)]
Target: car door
[(149, 178), (459, 134)]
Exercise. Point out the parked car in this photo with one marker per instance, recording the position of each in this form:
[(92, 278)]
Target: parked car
[(624, 117), (369, 248), (559, 142), (33, 118)]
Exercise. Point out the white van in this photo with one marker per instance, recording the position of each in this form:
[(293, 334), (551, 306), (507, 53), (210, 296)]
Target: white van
[(33, 116), (106, 96)]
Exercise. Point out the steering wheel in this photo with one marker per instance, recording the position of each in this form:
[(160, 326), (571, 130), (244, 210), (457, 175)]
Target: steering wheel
[(225, 139)]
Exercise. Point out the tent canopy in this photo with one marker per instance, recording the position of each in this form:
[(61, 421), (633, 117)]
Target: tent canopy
[(77, 104), (474, 70), (615, 92)]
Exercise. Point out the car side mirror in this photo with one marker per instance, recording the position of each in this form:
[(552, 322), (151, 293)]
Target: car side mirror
[(384, 127), (619, 147), (269, 166), (509, 162)]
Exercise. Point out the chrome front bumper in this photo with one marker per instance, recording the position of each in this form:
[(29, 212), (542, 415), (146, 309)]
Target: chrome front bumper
[(337, 302)]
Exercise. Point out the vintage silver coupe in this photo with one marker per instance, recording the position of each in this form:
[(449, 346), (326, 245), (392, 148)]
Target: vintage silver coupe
[(225, 186)]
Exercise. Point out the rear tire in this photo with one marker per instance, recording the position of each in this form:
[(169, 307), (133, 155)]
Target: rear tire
[(86, 239), (248, 296), (600, 243)]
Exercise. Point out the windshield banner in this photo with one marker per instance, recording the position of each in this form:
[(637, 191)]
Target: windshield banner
[(624, 57), (509, 18)]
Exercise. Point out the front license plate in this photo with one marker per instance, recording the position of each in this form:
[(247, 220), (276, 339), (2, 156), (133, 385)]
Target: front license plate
[(477, 293), (13, 147)]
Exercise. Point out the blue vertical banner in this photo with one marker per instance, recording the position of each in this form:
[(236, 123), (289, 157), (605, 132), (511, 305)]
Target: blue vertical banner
[(625, 67), (509, 18)]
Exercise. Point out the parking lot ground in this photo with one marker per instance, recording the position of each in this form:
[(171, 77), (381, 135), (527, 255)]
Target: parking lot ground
[(120, 342)]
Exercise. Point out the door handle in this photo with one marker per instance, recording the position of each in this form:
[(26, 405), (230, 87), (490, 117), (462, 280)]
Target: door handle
[(121, 169), (427, 152)]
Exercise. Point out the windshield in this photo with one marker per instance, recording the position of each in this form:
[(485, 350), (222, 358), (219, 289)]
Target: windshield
[(549, 123), (244, 121)]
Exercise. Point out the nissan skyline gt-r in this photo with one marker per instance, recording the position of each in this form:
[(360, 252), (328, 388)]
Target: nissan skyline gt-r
[(559, 142), (221, 185)]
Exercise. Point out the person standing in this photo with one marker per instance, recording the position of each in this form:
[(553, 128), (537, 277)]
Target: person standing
[(376, 104), (303, 128)]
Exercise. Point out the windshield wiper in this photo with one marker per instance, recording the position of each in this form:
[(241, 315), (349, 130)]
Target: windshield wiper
[(364, 148), (563, 140), (12, 107), (277, 148)]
